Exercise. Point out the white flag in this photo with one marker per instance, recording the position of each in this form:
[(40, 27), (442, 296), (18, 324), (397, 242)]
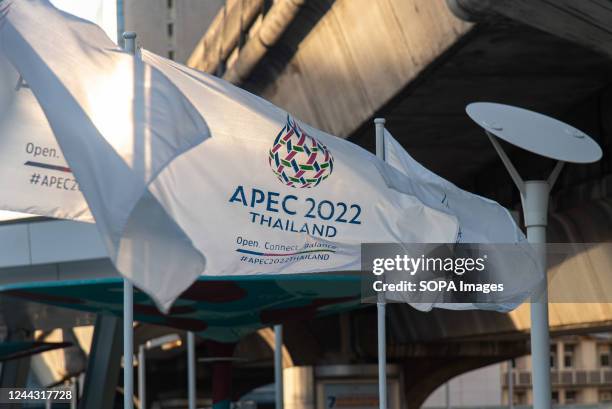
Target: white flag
[(481, 220), (118, 122), (268, 194), (264, 194), (34, 176), (470, 209)]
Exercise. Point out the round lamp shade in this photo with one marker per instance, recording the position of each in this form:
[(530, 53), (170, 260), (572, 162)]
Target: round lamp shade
[(535, 132)]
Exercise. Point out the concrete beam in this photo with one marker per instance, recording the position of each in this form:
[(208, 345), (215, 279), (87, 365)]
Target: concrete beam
[(225, 33), (334, 49), (586, 22)]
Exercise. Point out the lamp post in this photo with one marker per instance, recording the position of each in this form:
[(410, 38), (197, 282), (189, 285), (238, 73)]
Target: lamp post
[(552, 139)]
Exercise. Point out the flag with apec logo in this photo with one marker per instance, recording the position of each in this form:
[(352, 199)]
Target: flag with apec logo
[(268, 194), (35, 177), (176, 165), (118, 122), (29, 120), (481, 220)]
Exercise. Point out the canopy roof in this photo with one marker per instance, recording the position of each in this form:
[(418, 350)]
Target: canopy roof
[(219, 309)]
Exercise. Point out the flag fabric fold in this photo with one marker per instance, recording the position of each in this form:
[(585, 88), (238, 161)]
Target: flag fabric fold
[(118, 122)]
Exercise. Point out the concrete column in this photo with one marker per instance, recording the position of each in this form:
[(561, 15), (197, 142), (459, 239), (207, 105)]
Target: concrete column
[(299, 391), (104, 364), (221, 373)]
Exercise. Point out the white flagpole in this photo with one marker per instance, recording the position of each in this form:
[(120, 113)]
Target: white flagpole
[(278, 366), (379, 124), (128, 300), (191, 370), (142, 377), (128, 345)]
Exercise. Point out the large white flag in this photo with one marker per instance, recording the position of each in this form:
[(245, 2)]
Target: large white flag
[(270, 194), (512, 261), (35, 177), (118, 122), (263, 194), (481, 220)]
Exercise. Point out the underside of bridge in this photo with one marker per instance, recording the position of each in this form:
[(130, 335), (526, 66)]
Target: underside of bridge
[(338, 64)]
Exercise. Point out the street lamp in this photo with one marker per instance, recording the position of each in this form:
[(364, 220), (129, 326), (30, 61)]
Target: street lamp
[(172, 341), (552, 139)]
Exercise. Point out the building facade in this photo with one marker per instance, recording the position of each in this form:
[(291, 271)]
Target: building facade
[(170, 28), (581, 372), (475, 389)]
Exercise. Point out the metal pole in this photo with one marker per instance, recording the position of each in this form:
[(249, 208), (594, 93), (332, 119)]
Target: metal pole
[(129, 42), (534, 195), (128, 301), (75, 391), (510, 384), (191, 370), (278, 366), (535, 204), (128, 346), (142, 377), (379, 124), (447, 394)]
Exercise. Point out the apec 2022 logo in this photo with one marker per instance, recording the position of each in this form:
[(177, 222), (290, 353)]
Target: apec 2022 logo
[(299, 160)]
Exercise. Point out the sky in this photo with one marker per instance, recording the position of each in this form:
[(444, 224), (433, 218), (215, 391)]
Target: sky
[(101, 12)]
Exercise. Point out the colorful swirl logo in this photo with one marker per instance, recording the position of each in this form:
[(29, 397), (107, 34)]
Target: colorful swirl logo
[(299, 160)]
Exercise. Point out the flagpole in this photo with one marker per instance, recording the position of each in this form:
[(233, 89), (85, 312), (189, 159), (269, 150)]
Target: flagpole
[(191, 370), (142, 377), (128, 345), (379, 124), (128, 299), (278, 366)]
